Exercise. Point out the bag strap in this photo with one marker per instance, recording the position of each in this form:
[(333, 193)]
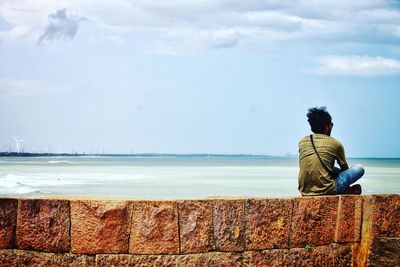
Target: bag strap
[(323, 164)]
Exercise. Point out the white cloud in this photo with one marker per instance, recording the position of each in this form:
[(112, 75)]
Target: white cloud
[(253, 20), (274, 20), (397, 31), (189, 41), (357, 66), (224, 40), (26, 88), (61, 26), (379, 15), (219, 38), (17, 32)]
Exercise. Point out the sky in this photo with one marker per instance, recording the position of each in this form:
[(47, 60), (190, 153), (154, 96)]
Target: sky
[(173, 76)]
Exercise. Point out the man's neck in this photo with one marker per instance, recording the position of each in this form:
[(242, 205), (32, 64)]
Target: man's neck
[(323, 134)]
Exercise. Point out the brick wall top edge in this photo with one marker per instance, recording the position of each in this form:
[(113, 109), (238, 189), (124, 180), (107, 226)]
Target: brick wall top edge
[(185, 199)]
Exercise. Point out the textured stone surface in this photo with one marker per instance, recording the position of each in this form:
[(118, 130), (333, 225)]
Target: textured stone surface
[(205, 259), (384, 252), (381, 217), (31, 259), (104, 227), (386, 215), (43, 225), (154, 261), (268, 223), (228, 259), (214, 259), (314, 221), (8, 257), (196, 227), (229, 231), (265, 257), (154, 228), (8, 222), (348, 228), (319, 256), (21, 258), (108, 260), (366, 229), (100, 226)]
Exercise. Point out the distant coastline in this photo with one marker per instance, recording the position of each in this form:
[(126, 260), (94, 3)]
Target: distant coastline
[(30, 154), (165, 155)]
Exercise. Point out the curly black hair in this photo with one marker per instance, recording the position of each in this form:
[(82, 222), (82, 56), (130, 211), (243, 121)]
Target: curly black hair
[(318, 118)]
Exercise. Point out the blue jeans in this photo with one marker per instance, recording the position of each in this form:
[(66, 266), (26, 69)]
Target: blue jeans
[(347, 177)]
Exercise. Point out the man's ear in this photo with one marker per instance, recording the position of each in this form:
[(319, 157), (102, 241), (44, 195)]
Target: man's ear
[(327, 127)]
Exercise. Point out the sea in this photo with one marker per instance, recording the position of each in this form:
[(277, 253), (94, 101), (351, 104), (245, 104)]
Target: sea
[(172, 177)]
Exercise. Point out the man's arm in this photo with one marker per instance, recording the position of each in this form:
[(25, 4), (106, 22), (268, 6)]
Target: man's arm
[(341, 158)]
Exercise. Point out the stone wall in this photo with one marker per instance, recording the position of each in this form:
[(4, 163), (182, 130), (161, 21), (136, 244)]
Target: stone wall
[(313, 231)]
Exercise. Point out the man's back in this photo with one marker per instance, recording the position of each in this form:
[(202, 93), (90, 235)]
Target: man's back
[(314, 179)]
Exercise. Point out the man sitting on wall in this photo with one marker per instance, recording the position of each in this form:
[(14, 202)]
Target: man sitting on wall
[(318, 153)]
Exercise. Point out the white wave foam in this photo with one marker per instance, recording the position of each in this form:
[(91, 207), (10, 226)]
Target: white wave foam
[(16, 182), (60, 162), (25, 190), (13, 186)]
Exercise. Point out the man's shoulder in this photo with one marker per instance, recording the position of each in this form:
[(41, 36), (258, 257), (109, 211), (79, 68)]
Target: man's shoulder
[(323, 138), (333, 141), (304, 139)]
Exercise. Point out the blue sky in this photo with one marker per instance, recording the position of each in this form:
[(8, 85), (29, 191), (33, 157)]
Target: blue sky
[(198, 76)]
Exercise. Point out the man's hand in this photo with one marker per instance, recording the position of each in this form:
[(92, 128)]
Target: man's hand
[(344, 167)]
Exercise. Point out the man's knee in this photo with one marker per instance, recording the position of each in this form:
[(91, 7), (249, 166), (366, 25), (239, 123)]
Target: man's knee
[(359, 169)]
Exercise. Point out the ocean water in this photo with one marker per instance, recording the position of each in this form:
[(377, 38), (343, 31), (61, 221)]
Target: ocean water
[(170, 177)]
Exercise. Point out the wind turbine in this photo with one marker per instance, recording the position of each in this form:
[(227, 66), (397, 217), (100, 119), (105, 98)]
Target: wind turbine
[(17, 147)]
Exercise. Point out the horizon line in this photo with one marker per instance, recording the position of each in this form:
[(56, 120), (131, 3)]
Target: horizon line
[(151, 154)]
